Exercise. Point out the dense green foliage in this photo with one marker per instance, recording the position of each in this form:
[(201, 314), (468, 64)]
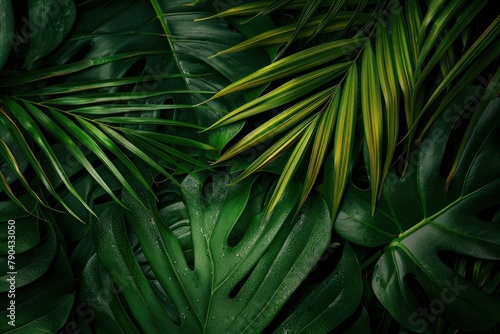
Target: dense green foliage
[(272, 166)]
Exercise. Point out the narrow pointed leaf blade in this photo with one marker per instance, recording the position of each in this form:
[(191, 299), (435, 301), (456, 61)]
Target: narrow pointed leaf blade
[(371, 107), (291, 166), (343, 142)]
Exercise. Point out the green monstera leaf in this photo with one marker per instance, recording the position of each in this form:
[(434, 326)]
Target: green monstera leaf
[(332, 302), (422, 225), (235, 275)]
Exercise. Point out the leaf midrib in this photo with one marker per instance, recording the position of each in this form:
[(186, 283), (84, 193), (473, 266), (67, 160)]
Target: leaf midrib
[(430, 219), (163, 22)]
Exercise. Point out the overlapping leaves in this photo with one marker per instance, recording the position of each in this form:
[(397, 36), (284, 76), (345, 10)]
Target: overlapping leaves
[(421, 225), (399, 68), (123, 84), (235, 278)]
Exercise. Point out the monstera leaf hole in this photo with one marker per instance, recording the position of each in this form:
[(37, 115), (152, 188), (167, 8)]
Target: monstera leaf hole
[(237, 288), (317, 277), (137, 68), (168, 100), (259, 190), (458, 129), (105, 198), (491, 214), (78, 54), (482, 274), (174, 215), (455, 260)]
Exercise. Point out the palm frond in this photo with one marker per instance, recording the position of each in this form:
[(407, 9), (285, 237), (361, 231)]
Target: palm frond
[(133, 98), (343, 136), (403, 66)]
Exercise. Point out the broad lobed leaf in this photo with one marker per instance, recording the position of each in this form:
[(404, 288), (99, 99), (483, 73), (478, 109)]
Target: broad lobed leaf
[(227, 286), (417, 222)]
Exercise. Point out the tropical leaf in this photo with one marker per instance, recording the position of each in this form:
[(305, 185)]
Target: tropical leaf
[(283, 34), (26, 227), (331, 303), (332, 13), (338, 165), (403, 65), (261, 7), (404, 61), (295, 63), (306, 13), (491, 91), (371, 107), (111, 316), (325, 102), (326, 122), (112, 111), (388, 85), (146, 75), (278, 124), (421, 226), (88, 189), (54, 290), (466, 69), (291, 167), (234, 282)]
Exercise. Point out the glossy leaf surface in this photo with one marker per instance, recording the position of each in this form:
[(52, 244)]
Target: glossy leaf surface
[(420, 225), (230, 284)]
